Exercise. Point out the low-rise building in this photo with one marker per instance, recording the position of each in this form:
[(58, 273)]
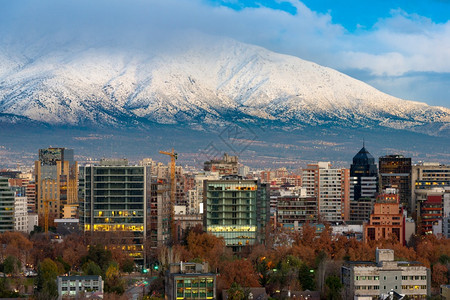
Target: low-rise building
[(445, 292), (372, 279), (190, 281), (73, 286)]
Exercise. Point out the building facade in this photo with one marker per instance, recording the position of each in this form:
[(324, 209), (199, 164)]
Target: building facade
[(369, 280), (190, 281), (387, 220), (115, 204), (56, 181), (331, 187), (294, 207), (363, 186), (395, 172), (237, 210), (21, 214), (73, 286), (228, 165), (6, 206)]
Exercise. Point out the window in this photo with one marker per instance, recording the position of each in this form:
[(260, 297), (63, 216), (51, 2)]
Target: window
[(404, 277)]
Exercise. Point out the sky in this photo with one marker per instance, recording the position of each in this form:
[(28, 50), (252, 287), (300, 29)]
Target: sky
[(400, 47)]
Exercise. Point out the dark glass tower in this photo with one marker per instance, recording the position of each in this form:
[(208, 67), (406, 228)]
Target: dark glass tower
[(363, 185)]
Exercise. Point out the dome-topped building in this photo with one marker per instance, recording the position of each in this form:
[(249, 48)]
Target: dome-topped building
[(363, 185)]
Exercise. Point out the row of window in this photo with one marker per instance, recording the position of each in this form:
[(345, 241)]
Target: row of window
[(367, 287), (384, 277)]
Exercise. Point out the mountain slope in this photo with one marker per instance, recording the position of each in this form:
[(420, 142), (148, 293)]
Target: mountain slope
[(203, 83)]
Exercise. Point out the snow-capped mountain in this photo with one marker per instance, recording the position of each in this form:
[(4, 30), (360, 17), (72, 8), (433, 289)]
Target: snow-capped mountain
[(201, 83)]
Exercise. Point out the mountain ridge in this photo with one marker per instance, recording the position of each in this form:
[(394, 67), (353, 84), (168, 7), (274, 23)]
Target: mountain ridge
[(205, 84)]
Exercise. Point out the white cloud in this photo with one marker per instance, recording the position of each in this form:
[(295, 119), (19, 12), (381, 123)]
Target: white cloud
[(395, 46)]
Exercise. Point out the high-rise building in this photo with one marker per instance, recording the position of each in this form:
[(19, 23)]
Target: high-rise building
[(236, 209), (363, 185), (158, 211), (115, 202), (428, 179), (294, 208), (6, 206), (20, 214), (56, 181), (331, 188), (395, 172), (387, 219), (431, 212)]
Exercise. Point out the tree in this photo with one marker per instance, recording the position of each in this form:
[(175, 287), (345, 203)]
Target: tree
[(235, 292), (11, 265), (207, 247), (100, 255), (334, 286), (91, 268), (46, 279), (113, 282), (238, 271), (439, 275), (128, 265), (306, 277)]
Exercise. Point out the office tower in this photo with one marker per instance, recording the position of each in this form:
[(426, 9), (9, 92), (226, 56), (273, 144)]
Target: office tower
[(395, 172), (387, 219), (428, 179), (115, 204), (56, 181), (331, 188), (363, 185), (431, 211), (237, 210), (6, 206), (294, 208), (228, 165)]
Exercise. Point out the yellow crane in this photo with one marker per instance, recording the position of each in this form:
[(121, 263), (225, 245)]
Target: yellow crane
[(173, 158)]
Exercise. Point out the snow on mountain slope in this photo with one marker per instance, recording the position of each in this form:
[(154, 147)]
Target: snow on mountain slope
[(204, 82)]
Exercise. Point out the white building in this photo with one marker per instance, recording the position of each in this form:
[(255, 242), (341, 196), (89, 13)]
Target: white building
[(32, 220), (365, 280), (21, 214), (72, 286), (195, 195), (331, 187)]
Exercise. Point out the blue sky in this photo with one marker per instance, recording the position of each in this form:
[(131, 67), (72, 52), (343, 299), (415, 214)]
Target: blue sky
[(400, 47)]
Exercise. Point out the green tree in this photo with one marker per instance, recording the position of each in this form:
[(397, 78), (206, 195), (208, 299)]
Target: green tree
[(334, 286), (128, 265), (235, 292), (11, 265), (113, 282), (98, 254), (306, 278), (46, 280), (91, 268)]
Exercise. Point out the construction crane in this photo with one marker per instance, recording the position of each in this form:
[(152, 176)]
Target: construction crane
[(173, 158)]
